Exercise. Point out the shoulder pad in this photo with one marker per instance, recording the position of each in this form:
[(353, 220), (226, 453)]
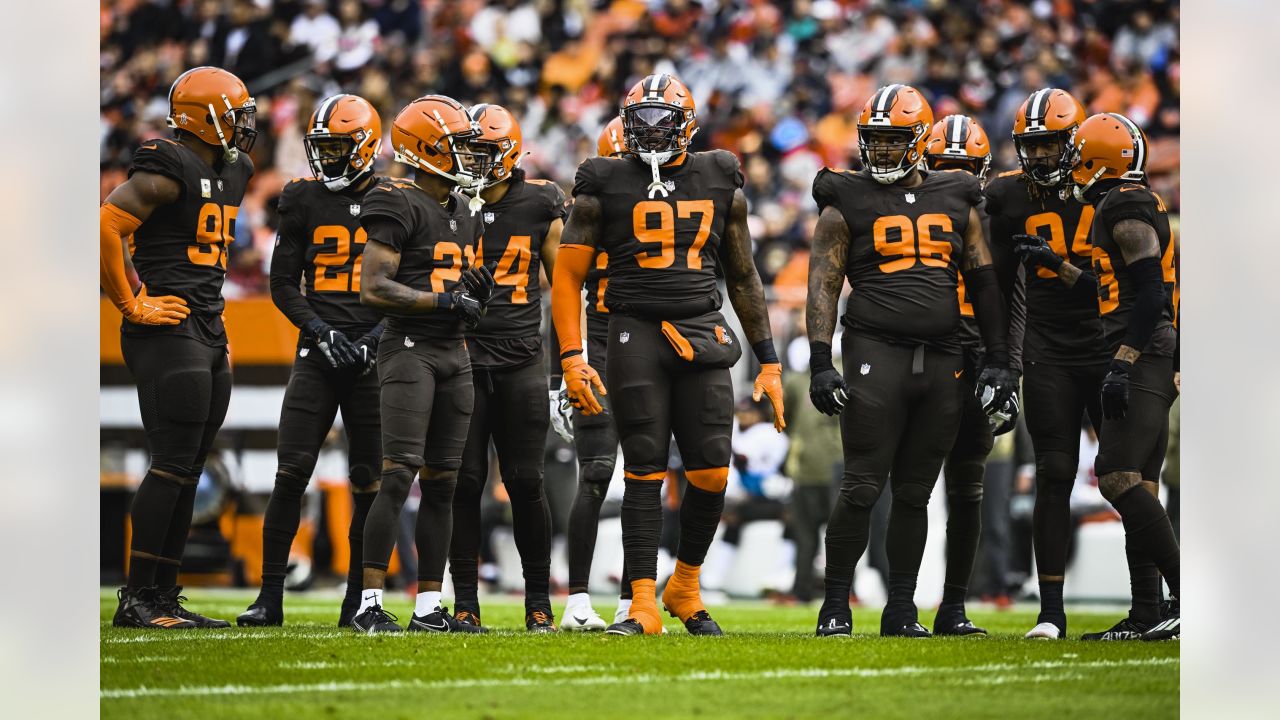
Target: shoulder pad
[(387, 200), (1131, 201), (826, 185), (161, 156), (730, 165), (592, 176)]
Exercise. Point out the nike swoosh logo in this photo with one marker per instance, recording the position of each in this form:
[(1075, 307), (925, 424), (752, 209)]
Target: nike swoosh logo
[(959, 373), (442, 627), (581, 620), (149, 147)]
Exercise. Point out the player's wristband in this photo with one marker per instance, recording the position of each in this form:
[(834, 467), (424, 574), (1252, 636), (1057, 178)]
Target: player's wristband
[(764, 351), (820, 357), (568, 354), (444, 301)]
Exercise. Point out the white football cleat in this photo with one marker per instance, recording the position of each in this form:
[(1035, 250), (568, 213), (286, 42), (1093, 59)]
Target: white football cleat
[(1044, 631), (582, 620)]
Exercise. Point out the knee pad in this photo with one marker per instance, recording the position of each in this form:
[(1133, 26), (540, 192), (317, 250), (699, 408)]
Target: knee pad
[(964, 492), (396, 482), (645, 449), (524, 487), (438, 485), (860, 495), (290, 481), (597, 471), (913, 495), (717, 450), (186, 396), (1056, 467), (1115, 484), (362, 476), (712, 480)]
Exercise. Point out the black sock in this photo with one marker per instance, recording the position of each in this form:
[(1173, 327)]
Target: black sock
[(641, 527), (835, 598), (1147, 527), (700, 512), (584, 522), (150, 515), (435, 524), (905, 538), (625, 582), (1051, 526), (361, 503), (902, 591), (1051, 608), (279, 526), (175, 540), (531, 523), (464, 545), (382, 525), (953, 596), (847, 533), (964, 523)]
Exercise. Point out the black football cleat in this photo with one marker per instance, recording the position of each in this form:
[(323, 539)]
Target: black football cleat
[(908, 628), (260, 616), (139, 608), (700, 623), (1170, 625), (630, 626), (440, 621), (835, 620), (375, 620), (540, 620), (171, 599), (350, 606), (954, 622), (468, 617), (1126, 629)]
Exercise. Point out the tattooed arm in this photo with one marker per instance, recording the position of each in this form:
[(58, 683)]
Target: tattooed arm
[(1140, 248), (380, 264), (826, 275), (746, 292)]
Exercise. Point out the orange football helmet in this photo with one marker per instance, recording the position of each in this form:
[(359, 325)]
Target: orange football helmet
[(343, 138), (1042, 132), (1107, 146), (658, 118), (895, 121), (611, 142), (215, 106), (432, 134), (958, 141), (500, 139)]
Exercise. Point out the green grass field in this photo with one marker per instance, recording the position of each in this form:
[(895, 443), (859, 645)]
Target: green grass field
[(768, 666)]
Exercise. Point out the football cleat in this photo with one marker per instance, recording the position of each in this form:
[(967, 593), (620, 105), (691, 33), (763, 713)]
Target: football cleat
[(630, 626), (468, 617), (1170, 627), (440, 621), (835, 624), (700, 623), (260, 616), (350, 606), (540, 620), (909, 630), (584, 620), (955, 623), (1126, 629), (376, 620), (139, 608), (902, 621), (171, 601), (1045, 631)]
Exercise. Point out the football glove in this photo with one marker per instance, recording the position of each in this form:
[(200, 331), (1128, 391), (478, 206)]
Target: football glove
[(579, 379), (337, 349), (769, 382), (1115, 390), (1035, 250), (561, 412), (158, 310), (465, 306), (367, 349), (1006, 418), (828, 391), (479, 283), (996, 384)]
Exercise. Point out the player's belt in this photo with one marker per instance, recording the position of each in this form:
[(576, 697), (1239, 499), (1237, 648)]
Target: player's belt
[(668, 310)]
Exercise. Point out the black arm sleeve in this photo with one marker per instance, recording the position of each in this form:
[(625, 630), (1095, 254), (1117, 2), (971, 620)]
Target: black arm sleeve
[(1013, 288), (984, 288), (286, 270), (1148, 304)]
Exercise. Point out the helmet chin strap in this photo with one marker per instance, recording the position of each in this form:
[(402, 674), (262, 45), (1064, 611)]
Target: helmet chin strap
[(654, 160)]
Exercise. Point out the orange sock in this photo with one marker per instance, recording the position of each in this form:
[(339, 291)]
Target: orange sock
[(644, 605), (683, 595)]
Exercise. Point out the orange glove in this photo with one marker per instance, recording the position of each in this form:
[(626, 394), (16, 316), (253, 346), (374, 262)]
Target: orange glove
[(579, 378), (161, 310), (769, 382)]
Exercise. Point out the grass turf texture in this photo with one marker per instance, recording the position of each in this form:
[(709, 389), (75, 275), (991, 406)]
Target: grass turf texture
[(768, 666)]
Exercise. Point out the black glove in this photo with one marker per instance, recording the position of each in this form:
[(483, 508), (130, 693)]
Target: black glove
[(367, 348), (1035, 250), (336, 347), (479, 283), (828, 391), (1006, 418), (467, 308), (1115, 390), (996, 385)]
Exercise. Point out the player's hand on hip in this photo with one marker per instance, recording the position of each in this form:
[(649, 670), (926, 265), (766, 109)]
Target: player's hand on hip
[(561, 412), (337, 349), (996, 385), (580, 379), (828, 391), (158, 310), (1115, 390), (1035, 250), (769, 382)]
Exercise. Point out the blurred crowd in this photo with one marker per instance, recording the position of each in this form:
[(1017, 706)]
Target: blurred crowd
[(778, 83)]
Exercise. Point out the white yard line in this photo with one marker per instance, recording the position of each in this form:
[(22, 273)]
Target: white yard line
[(1010, 674)]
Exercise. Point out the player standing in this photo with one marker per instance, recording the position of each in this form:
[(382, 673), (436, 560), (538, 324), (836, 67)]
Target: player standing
[(522, 224), (417, 270), (1133, 261), (321, 243), (667, 218), (958, 142), (897, 232), (178, 211)]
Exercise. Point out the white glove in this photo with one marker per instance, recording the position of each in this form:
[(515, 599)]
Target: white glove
[(561, 412)]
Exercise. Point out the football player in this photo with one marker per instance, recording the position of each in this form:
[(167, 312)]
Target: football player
[(595, 440), (1133, 261), (522, 223), (418, 270), (315, 282), (668, 219), (898, 232), (958, 142), (177, 212)]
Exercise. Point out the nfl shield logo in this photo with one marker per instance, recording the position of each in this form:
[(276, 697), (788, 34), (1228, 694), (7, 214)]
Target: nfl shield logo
[(624, 337), (453, 225), (219, 184), (670, 185), (866, 368), (355, 208), (488, 218), (911, 197)]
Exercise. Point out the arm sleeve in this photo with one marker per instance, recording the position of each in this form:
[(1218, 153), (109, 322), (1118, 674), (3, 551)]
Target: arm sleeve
[(1013, 288), (572, 265), (114, 225), (286, 270), (1148, 303), (989, 311)]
